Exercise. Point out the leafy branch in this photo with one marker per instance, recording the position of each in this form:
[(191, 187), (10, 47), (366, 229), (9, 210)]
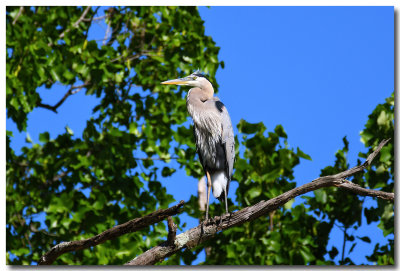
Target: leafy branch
[(209, 229)]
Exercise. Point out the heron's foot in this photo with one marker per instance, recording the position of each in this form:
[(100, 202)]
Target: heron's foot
[(208, 221), (223, 217), (219, 221)]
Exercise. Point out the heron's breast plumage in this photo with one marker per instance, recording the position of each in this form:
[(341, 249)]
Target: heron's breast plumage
[(208, 132)]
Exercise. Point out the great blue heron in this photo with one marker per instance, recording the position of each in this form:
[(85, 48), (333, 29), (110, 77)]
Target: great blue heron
[(213, 133)]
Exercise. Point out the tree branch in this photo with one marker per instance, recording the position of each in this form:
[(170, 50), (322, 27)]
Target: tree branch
[(206, 231), (75, 25), (128, 227), (156, 158), (95, 18), (71, 91), (172, 227), (19, 14), (107, 32)]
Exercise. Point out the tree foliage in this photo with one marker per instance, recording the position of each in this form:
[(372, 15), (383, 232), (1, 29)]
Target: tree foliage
[(72, 187), (134, 115)]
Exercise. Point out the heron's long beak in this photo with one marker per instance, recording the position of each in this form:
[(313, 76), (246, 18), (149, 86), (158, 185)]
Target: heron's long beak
[(179, 81)]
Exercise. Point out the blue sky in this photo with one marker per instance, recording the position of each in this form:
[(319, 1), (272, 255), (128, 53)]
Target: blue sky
[(317, 71)]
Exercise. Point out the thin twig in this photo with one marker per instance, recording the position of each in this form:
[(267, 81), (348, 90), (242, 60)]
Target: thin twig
[(59, 176), (107, 33), (344, 243), (95, 18), (90, 22), (71, 91), (271, 220), (110, 234), (19, 14), (132, 57), (156, 158), (33, 229)]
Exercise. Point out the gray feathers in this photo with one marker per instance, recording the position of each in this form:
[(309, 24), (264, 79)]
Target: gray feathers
[(214, 135)]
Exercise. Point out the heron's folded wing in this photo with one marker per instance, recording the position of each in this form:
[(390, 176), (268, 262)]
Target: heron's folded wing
[(228, 139)]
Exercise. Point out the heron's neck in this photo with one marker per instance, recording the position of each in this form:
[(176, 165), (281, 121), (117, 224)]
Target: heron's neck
[(195, 101), (198, 96)]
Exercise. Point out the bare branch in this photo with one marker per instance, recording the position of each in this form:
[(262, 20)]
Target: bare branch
[(108, 30), (95, 18), (355, 188), (134, 56), (32, 228), (156, 158), (75, 25), (128, 227), (71, 91), (172, 227), (19, 14), (205, 231), (271, 220), (59, 176)]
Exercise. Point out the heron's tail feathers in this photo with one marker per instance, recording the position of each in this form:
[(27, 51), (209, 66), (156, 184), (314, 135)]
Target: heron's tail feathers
[(219, 182)]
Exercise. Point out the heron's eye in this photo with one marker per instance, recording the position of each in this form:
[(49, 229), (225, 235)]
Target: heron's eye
[(194, 77)]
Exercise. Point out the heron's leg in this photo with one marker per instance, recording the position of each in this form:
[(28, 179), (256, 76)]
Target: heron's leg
[(208, 192), (226, 200)]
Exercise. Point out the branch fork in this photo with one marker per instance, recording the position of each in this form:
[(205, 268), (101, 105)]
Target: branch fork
[(172, 227)]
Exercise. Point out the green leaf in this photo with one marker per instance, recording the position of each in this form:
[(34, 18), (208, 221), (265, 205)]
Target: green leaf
[(21, 251), (254, 192), (166, 171), (306, 254), (288, 205), (320, 196), (365, 239), (301, 154), (44, 137), (385, 154), (333, 252), (69, 131), (28, 138), (352, 247), (280, 131), (250, 128), (382, 119)]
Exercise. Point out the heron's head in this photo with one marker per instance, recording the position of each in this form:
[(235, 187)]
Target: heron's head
[(196, 79)]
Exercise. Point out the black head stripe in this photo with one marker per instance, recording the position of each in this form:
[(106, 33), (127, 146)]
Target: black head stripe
[(198, 74)]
